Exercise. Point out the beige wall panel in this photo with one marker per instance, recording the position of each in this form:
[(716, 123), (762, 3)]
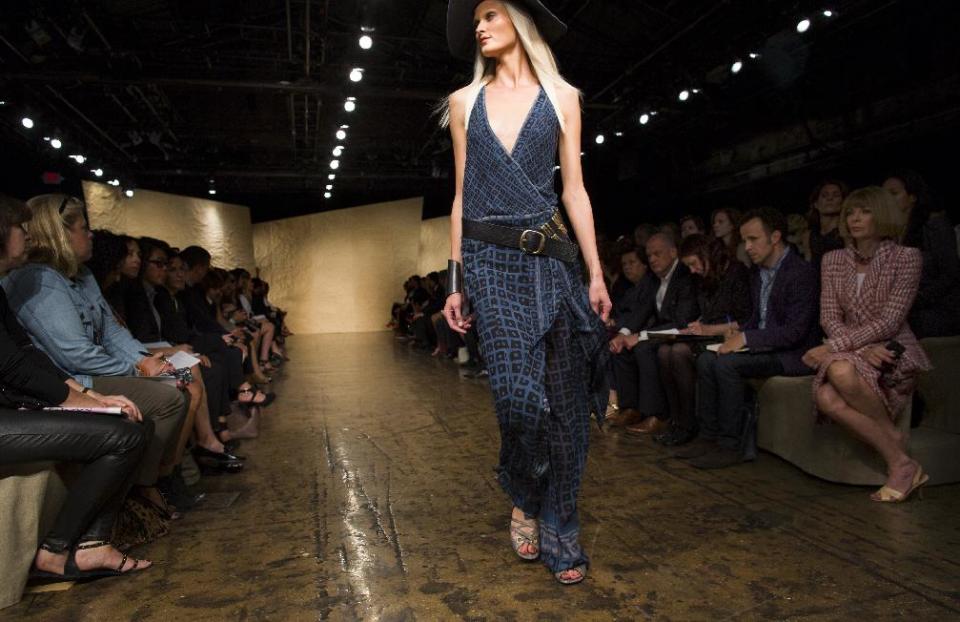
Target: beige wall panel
[(339, 271), (434, 245), (221, 228)]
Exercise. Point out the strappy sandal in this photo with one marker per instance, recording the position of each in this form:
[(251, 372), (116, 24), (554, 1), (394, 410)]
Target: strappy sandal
[(253, 391), (72, 573), (581, 571), (523, 532), (887, 494)]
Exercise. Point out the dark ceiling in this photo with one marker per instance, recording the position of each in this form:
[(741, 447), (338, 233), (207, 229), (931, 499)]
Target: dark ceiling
[(169, 94)]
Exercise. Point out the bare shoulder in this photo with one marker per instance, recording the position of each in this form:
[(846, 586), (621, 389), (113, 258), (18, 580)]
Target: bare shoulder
[(458, 99), (569, 97)]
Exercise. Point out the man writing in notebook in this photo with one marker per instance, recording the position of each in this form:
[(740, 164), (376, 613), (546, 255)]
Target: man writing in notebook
[(672, 305), (783, 326)]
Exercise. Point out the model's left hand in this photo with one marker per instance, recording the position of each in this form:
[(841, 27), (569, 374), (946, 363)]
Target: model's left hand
[(600, 299)]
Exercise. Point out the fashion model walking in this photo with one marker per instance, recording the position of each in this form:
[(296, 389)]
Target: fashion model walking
[(541, 330)]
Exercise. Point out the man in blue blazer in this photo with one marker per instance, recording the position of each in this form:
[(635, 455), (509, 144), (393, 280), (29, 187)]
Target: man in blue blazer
[(784, 325)]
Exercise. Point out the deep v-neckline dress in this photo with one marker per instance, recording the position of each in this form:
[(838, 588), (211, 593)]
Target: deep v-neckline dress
[(542, 344)]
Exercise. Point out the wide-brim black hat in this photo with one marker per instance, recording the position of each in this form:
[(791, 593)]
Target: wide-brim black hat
[(461, 35)]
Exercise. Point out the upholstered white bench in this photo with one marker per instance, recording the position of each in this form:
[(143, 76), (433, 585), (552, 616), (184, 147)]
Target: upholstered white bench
[(786, 426), (30, 496)]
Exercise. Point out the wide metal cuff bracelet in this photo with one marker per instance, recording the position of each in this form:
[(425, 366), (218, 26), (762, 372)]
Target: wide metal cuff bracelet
[(454, 277)]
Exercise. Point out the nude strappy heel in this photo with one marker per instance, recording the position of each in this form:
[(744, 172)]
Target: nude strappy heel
[(892, 495), (525, 532)]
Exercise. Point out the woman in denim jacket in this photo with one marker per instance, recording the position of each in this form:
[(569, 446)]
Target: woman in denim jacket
[(58, 302)]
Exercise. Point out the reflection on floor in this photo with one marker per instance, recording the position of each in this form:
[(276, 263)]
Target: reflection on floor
[(371, 496)]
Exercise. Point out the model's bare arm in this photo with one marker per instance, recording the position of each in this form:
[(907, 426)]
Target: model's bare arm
[(576, 201), (458, 133), (453, 307)]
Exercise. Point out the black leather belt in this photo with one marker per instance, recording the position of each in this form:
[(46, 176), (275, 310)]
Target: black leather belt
[(530, 241)]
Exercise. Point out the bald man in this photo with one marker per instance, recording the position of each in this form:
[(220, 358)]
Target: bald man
[(643, 405)]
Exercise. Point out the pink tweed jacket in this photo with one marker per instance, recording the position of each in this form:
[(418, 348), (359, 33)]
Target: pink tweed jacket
[(876, 314)]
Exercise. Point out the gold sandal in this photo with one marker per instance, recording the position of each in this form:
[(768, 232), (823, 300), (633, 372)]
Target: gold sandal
[(525, 532), (891, 495)]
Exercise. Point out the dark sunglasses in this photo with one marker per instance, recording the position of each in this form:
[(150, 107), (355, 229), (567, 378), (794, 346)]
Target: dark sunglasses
[(83, 208)]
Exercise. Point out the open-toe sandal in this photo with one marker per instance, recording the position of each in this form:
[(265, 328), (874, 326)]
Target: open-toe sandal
[(72, 573), (255, 392), (525, 532), (581, 571), (887, 494)]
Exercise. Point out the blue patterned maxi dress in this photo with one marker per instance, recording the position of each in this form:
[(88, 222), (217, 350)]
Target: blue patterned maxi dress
[(543, 344)]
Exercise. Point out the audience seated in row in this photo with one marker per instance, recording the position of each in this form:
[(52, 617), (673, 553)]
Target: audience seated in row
[(91, 322)]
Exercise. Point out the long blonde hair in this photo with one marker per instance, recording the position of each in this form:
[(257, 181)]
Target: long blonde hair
[(542, 61), (49, 231)]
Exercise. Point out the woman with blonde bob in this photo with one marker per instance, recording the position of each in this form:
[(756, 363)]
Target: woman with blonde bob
[(57, 300), (540, 329), (867, 367)]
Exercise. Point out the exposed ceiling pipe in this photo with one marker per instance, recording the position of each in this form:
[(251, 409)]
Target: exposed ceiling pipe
[(306, 29), (124, 108), (90, 21), (314, 88), (316, 133), (293, 124), (90, 123), (306, 119), (289, 34), (14, 50)]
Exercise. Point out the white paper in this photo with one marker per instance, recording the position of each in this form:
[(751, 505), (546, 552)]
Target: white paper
[(182, 360), (715, 347), (102, 410), (669, 331), (259, 318)]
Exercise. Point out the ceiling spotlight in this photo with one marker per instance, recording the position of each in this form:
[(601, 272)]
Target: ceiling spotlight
[(684, 95), (27, 122), (329, 187), (331, 176), (55, 143), (600, 139), (114, 182), (2, 103), (129, 193), (803, 25), (327, 195), (736, 66), (618, 134), (341, 135), (79, 159), (344, 127), (334, 164), (827, 13), (337, 151), (644, 118), (356, 74), (212, 191), (97, 171), (753, 55), (366, 42), (350, 105)]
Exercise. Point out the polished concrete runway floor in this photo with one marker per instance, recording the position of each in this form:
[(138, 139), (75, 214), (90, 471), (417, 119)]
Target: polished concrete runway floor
[(371, 496)]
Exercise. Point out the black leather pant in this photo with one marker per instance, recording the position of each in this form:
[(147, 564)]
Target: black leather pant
[(109, 448)]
